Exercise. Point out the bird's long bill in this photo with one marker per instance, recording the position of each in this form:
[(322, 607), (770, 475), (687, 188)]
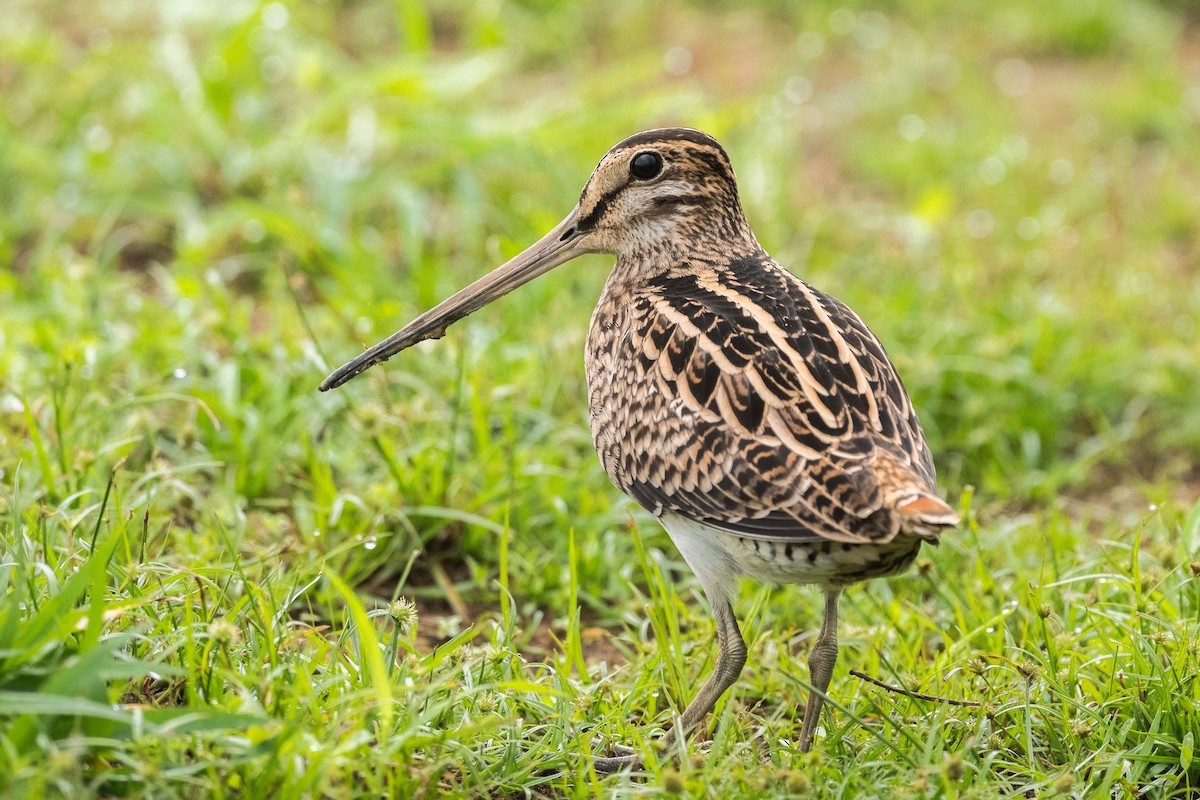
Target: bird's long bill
[(556, 247)]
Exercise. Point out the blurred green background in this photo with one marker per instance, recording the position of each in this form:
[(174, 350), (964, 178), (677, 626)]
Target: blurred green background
[(206, 206)]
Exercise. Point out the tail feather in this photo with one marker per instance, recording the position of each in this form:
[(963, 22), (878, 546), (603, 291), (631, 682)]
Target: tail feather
[(924, 514)]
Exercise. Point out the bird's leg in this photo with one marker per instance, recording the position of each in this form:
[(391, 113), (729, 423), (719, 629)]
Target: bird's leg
[(731, 657), (820, 668)]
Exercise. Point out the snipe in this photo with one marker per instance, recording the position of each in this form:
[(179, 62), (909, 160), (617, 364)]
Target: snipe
[(757, 417)]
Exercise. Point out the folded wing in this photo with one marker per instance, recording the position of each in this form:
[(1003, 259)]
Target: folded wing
[(768, 408)]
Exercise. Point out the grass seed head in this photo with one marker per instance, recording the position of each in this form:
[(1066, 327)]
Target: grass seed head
[(797, 782), (224, 632), (672, 782), (486, 702), (404, 613), (371, 417), (187, 435), (83, 460), (1064, 783), (954, 768)]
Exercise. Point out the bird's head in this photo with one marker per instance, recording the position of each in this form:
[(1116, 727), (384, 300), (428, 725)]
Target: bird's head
[(657, 190)]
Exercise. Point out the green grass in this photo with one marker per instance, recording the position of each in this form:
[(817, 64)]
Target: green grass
[(218, 582)]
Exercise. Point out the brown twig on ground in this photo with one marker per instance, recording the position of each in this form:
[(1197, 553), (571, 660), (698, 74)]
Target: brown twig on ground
[(901, 690)]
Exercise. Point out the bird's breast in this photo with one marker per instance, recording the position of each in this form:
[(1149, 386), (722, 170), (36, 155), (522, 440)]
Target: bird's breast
[(616, 382), (633, 424)]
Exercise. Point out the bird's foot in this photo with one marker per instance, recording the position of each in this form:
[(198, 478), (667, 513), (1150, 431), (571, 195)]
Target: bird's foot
[(625, 758)]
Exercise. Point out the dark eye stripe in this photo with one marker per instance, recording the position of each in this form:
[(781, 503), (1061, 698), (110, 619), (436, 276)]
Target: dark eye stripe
[(589, 221), (671, 200)]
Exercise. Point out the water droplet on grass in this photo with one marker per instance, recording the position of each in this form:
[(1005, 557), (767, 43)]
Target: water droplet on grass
[(98, 139), (872, 30), (979, 223), (841, 21), (912, 127), (810, 44), (798, 89), (272, 68), (677, 61), (253, 231), (1028, 228), (991, 170), (275, 16), (1061, 171), (1014, 148), (1014, 76)]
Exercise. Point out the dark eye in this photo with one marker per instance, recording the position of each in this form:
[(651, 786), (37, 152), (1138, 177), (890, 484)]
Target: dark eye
[(646, 165)]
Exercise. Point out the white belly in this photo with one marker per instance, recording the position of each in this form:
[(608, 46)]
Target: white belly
[(719, 557)]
